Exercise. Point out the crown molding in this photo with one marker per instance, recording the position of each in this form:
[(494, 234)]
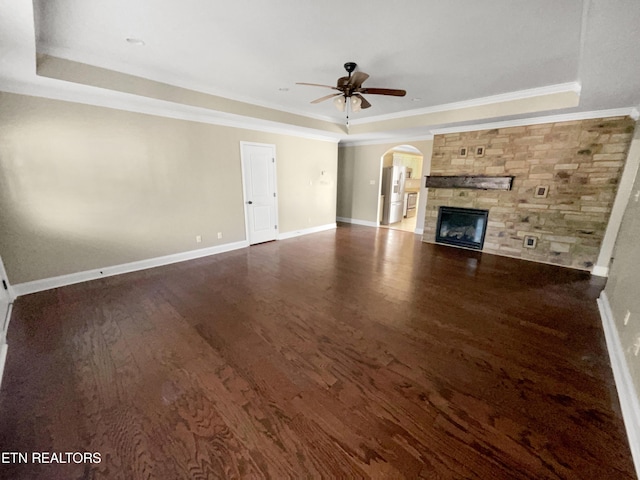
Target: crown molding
[(180, 82), (398, 139), (521, 122), (633, 112), (172, 80), (574, 87), (57, 90)]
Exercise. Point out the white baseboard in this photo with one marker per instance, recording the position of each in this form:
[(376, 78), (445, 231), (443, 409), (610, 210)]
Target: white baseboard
[(355, 221), (70, 279), (306, 231), (419, 231), (63, 280), (629, 401), (599, 271)]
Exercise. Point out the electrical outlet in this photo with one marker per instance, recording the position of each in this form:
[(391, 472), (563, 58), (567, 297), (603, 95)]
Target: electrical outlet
[(626, 317), (372, 182), (219, 235), (636, 346), (198, 239), (636, 197)]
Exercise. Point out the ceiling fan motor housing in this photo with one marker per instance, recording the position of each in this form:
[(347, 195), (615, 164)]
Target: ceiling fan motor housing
[(350, 67)]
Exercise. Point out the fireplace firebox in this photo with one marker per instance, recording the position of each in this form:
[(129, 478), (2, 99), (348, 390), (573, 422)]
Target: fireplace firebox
[(463, 227)]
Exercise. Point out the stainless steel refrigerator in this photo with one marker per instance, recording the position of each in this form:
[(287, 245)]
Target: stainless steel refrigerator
[(393, 190)]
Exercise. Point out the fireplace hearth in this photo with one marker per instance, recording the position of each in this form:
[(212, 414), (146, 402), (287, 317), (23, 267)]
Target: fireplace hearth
[(462, 227)]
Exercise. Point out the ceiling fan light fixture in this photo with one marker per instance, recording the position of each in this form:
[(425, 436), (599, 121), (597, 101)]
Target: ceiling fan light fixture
[(356, 104), (340, 103)]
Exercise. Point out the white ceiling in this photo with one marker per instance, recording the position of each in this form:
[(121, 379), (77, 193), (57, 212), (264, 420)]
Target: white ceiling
[(440, 52)]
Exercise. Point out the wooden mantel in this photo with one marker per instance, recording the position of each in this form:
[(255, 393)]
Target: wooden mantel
[(478, 182)]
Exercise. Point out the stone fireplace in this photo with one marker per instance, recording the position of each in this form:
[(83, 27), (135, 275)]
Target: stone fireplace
[(565, 177)]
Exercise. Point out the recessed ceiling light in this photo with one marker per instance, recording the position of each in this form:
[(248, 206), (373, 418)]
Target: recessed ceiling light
[(284, 89), (135, 41), (416, 99)]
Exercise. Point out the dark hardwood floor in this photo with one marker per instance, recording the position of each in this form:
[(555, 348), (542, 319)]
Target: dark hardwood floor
[(353, 353)]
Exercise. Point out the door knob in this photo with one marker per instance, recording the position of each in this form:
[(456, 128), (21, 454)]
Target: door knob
[(250, 202)]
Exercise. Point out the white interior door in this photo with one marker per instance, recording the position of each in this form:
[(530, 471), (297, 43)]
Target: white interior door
[(261, 205)]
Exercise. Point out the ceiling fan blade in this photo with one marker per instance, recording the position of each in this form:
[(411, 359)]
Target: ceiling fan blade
[(358, 78), (365, 103), (342, 82), (327, 97), (383, 91), (316, 85)]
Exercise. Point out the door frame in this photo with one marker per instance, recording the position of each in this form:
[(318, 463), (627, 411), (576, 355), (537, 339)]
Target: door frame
[(5, 318), (244, 190), (5, 277), (6, 315)]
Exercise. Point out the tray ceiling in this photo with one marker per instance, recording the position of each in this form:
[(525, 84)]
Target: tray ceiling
[(440, 52)]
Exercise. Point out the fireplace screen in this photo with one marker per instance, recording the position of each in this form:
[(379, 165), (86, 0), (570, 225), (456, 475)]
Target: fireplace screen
[(464, 227)]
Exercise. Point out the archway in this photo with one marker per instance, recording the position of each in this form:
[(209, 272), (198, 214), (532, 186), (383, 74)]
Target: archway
[(400, 184)]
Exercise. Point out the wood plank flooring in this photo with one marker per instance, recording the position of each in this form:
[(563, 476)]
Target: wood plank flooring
[(355, 353)]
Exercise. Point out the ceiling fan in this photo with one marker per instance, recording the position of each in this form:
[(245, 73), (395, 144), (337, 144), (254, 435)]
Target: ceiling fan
[(351, 90)]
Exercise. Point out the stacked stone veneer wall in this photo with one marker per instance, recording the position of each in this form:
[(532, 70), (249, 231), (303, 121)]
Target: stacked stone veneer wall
[(580, 161)]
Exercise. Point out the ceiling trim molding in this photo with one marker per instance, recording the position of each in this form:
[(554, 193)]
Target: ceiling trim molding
[(175, 81), (521, 122), (133, 103), (633, 112), (400, 139), (58, 90), (574, 87)]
